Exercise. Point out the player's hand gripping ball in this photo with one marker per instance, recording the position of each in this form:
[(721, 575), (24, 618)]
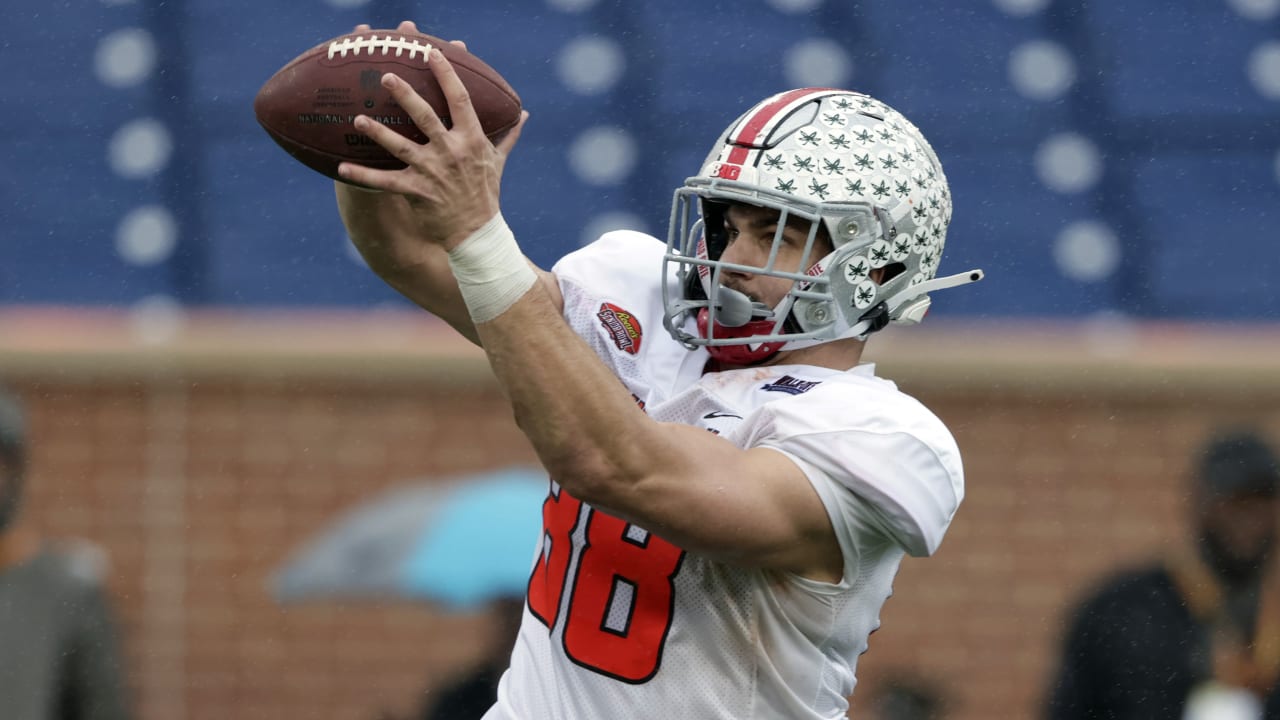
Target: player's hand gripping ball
[(309, 105)]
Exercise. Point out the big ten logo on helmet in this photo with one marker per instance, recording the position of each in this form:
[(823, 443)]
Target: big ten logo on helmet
[(622, 327), (726, 171)]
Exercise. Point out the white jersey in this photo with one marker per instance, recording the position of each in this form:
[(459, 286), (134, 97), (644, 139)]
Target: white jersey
[(621, 624)]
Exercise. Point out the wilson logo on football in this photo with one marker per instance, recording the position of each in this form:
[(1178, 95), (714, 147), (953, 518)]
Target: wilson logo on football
[(622, 327)]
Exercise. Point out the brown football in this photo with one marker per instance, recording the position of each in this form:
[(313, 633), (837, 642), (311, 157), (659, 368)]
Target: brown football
[(309, 106)]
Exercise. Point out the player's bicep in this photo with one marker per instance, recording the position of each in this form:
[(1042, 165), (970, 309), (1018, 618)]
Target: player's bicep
[(748, 507)]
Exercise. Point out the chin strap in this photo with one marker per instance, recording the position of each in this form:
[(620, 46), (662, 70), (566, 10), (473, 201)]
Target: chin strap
[(746, 353)]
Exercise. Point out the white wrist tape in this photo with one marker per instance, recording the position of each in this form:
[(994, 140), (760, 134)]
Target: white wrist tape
[(491, 271)]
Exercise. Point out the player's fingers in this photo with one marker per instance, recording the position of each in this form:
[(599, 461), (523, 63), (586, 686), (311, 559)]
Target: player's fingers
[(362, 28), (385, 180), (455, 93), (401, 147), (459, 43), (407, 26), (424, 116), (513, 135)]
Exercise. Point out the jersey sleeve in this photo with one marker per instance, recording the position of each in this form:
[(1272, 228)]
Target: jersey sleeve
[(900, 464), (619, 259), (612, 293), (612, 298)]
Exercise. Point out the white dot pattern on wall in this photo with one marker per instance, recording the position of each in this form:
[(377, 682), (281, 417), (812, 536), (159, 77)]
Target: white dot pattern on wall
[(603, 155), (125, 58), (1041, 70), (1068, 163), (591, 64)]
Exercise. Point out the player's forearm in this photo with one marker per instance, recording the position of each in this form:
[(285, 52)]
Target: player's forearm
[(381, 227), (586, 427), (600, 447)]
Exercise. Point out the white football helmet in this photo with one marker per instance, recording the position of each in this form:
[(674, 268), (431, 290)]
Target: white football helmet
[(862, 176)]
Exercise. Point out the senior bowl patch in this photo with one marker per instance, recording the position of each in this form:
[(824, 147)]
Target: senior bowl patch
[(622, 326)]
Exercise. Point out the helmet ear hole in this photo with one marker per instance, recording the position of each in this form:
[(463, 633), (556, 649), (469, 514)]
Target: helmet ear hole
[(888, 272)]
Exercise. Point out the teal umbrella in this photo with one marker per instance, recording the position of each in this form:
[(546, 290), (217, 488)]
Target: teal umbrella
[(461, 543)]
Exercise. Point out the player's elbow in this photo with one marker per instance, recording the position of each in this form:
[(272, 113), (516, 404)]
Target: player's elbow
[(589, 474)]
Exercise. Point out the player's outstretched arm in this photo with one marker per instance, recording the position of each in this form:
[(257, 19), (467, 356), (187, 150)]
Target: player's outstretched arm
[(699, 491), (381, 225), (693, 488), (383, 229)]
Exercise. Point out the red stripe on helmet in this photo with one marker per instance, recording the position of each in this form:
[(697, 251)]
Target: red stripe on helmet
[(752, 127), (738, 155)]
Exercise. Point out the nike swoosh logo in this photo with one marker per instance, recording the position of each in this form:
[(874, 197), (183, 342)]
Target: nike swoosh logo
[(713, 415)]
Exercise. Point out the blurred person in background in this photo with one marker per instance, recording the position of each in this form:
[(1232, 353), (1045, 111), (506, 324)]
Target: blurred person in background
[(905, 696), (58, 653), (735, 489), (470, 697), (1196, 636)]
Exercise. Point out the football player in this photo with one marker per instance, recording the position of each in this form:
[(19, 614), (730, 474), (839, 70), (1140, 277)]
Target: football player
[(733, 487)]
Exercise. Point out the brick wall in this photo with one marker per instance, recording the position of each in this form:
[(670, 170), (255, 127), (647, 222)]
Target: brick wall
[(200, 466), (199, 491), (1062, 489)]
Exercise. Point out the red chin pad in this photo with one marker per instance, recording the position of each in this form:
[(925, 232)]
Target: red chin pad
[(739, 354)]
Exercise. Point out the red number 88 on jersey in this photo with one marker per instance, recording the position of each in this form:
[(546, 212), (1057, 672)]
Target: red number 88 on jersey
[(621, 594)]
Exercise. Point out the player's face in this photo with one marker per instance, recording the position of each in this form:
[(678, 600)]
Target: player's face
[(750, 232)]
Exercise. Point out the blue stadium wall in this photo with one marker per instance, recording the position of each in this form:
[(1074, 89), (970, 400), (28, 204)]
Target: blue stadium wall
[(1105, 157)]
